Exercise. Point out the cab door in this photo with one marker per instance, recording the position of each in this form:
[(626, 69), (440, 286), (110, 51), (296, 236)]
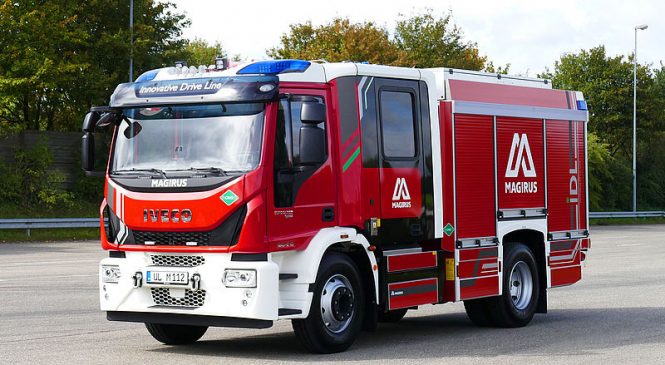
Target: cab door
[(401, 170), (302, 200)]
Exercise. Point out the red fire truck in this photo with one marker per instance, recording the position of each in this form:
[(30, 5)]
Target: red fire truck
[(336, 195)]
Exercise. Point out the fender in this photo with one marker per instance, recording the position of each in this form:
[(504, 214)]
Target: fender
[(507, 227), (295, 293)]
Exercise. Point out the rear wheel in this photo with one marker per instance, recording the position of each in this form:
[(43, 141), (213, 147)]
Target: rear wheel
[(392, 316), (335, 317), (173, 334), (517, 305), (478, 311)]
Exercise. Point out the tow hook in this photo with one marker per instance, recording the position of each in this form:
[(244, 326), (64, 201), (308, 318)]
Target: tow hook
[(138, 279), (196, 281)]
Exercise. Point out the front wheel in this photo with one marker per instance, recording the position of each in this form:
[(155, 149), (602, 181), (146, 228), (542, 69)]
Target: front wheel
[(173, 334), (336, 314)]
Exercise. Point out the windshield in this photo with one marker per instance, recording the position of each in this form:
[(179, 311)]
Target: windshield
[(225, 137)]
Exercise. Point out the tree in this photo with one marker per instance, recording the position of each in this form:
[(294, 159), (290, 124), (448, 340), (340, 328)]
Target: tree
[(425, 40), (422, 40), (607, 84), (338, 40), (60, 57), (199, 52)]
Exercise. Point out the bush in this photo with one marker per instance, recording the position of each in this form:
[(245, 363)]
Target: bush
[(29, 183)]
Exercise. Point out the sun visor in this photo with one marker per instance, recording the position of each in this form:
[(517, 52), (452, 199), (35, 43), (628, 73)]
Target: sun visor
[(197, 90)]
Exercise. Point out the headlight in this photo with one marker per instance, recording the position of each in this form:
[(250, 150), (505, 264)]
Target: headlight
[(239, 278), (110, 273)]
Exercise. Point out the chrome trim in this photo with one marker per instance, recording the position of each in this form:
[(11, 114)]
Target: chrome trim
[(518, 111)]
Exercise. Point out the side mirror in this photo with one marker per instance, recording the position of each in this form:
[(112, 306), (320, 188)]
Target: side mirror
[(132, 130), (90, 121), (312, 145), (109, 118), (312, 113), (88, 152)]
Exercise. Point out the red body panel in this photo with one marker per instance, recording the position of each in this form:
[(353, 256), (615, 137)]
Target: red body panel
[(478, 270), (520, 163), (422, 260), (565, 176), (401, 193), (412, 293), (507, 94), (474, 174)]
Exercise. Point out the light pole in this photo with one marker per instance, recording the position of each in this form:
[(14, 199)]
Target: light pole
[(639, 27), (131, 40)]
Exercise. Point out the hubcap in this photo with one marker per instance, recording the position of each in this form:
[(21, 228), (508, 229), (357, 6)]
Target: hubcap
[(521, 285), (337, 303)]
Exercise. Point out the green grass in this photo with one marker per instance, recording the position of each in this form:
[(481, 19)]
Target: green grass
[(624, 221), (49, 235)]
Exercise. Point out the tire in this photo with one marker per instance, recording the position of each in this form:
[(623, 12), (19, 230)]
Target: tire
[(478, 311), (392, 316), (334, 325), (521, 288), (173, 334)]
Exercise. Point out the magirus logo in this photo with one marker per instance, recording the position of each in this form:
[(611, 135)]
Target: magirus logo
[(520, 159), (168, 183), (401, 196)]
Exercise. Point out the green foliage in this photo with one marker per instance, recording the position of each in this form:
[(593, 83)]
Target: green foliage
[(199, 52), (28, 182), (422, 40), (60, 57), (338, 40), (425, 40), (607, 84)]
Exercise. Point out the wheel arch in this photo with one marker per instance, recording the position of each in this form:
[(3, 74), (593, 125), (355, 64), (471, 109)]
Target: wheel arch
[(306, 263), (535, 241)]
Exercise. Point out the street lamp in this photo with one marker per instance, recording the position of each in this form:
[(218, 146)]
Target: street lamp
[(639, 27), (131, 40)]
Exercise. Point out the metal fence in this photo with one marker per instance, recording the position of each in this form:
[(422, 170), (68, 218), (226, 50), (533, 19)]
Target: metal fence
[(649, 214), (34, 223)]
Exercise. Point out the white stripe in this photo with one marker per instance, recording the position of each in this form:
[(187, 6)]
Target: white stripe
[(436, 165)]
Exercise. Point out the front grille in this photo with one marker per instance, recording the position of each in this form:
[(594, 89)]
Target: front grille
[(192, 299), (171, 238), (179, 261)]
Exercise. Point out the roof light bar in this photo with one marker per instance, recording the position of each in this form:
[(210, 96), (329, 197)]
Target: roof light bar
[(275, 67), (148, 75)]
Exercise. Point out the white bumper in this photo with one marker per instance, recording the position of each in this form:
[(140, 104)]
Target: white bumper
[(213, 298)]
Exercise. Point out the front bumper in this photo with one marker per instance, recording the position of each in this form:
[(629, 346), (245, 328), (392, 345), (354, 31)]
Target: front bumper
[(210, 301)]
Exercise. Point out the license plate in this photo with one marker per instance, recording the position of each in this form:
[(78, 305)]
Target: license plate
[(167, 277)]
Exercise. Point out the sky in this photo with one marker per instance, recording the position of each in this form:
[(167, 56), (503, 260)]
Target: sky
[(530, 35)]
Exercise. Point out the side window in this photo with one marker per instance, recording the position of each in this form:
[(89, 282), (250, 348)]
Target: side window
[(398, 124), (290, 171)]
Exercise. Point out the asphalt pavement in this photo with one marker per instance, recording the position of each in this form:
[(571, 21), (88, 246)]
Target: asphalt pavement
[(49, 313)]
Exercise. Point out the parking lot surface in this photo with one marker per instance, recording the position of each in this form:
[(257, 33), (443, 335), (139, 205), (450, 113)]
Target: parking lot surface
[(615, 315)]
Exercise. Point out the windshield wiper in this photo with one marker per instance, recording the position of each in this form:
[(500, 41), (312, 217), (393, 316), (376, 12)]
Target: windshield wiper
[(214, 170), (134, 170)]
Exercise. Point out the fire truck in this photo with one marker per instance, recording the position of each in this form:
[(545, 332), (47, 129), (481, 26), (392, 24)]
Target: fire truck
[(337, 196)]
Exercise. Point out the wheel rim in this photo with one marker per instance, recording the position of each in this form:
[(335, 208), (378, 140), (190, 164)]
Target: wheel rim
[(337, 307), (521, 285)]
